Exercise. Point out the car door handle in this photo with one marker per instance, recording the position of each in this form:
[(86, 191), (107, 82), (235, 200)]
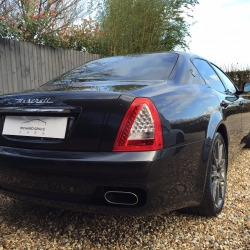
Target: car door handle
[(224, 103)]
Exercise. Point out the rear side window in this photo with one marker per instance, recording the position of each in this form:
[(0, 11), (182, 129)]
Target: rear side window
[(141, 67), (209, 75), (227, 82)]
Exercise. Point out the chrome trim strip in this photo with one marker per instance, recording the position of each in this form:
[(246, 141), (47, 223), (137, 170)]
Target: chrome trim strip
[(33, 110)]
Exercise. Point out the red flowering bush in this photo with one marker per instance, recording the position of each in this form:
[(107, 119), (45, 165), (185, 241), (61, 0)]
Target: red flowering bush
[(44, 25)]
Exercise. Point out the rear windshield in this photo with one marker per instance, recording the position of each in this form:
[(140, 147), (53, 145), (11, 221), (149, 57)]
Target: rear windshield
[(141, 67)]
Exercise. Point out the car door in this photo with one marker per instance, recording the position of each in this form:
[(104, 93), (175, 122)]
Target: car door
[(244, 100), (245, 116), (230, 102)]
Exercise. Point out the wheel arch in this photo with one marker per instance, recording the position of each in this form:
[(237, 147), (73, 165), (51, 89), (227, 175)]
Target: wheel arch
[(223, 131), (216, 124)]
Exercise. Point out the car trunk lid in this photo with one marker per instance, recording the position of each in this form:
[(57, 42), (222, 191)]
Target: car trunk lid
[(86, 114)]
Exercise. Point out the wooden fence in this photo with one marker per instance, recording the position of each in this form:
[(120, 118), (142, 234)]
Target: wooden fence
[(25, 66)]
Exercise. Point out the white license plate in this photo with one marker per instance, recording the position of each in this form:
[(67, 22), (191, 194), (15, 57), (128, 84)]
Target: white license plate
[(34, 126)]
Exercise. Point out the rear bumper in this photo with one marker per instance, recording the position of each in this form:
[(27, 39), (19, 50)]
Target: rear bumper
[(163, 180)]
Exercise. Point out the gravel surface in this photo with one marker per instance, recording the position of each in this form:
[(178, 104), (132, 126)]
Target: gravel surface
[(28, 226)]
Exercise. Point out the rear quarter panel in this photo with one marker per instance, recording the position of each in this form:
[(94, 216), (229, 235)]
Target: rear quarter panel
[(185, 112)]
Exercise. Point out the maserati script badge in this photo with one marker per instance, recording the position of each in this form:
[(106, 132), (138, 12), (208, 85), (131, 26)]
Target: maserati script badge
[(30, 100)]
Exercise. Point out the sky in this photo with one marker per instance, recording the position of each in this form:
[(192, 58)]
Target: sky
[(221, 32)]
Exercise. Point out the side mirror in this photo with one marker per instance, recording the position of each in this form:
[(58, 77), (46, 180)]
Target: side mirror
[(246, 87)]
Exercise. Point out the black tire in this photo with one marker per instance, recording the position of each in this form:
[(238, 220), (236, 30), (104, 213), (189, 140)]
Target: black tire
[(215, 187)]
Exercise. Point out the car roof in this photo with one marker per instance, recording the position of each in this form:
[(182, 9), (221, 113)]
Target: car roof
[(189, 54)]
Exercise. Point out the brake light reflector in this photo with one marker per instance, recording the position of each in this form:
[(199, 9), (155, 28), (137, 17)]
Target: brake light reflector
[(140, 129)]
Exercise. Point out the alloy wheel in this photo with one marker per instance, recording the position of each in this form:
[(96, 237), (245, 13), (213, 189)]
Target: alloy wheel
[(218, 173)]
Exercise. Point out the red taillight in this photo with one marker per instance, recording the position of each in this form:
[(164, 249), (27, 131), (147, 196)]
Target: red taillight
[(140, 129)]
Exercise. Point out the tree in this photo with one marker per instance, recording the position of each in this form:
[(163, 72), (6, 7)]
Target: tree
[(38, 21), (5, 7), (135, 26)]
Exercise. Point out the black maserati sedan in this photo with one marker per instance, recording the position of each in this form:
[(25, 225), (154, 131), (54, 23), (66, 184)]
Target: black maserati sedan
[(136, 134)]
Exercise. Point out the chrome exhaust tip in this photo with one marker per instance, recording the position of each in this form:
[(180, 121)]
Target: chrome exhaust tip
[(121, 198)]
